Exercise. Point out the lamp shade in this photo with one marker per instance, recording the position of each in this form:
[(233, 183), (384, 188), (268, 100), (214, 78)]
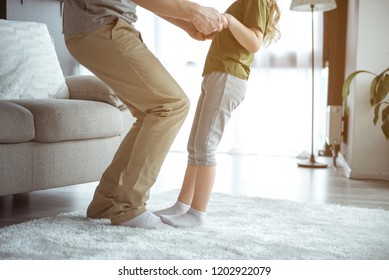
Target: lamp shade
[(318, 5)]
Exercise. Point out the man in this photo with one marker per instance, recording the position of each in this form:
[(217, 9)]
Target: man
[(100, 35)]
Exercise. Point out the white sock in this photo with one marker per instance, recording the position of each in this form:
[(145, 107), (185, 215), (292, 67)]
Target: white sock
[(146, 220), (177, 209), (191, 218)]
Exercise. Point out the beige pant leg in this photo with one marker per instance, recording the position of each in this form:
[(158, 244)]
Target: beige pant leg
[(116, 54)]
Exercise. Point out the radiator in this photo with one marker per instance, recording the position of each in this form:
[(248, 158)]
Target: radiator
[(334, 125)]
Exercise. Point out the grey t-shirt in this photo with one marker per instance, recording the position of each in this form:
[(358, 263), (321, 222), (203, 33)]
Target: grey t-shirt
[(81, 16)]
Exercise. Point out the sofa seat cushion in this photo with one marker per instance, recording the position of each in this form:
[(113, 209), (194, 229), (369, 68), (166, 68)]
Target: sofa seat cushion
[(63, 119), (16, 123)]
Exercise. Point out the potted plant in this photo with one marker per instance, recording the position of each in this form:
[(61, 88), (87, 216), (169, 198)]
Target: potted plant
[(379, 89)]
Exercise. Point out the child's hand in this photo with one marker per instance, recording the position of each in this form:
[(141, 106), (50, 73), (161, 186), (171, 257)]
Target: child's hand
[(225, 20)]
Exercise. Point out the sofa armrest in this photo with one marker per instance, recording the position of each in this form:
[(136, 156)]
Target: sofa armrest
[(88, 87)]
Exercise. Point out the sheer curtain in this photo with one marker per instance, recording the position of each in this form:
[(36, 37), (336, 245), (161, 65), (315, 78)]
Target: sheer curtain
[(275, 118)]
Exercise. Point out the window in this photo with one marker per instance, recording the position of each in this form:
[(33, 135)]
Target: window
[(275, 118)]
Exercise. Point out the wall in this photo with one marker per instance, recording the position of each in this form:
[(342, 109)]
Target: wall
[(49, 12), (334, 49), (366, 151), (3, 9)]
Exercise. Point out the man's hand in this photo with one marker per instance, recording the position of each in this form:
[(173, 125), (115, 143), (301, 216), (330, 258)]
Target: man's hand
[(197, 35), (208, 20)]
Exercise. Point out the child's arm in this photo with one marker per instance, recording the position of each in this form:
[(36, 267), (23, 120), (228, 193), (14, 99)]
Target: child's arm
[(251, 38)]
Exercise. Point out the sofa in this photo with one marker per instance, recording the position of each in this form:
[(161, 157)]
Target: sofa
[(54, 130)]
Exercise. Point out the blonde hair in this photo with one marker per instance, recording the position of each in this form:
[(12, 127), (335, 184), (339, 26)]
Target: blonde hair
[(272, 30)]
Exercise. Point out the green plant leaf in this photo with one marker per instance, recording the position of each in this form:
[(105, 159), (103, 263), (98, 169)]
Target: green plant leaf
[(383, 88), (373, 90), (385, 120), (376, 113), (379, 88), (379, 94), (385, 112), (346, 87), (385, 128)]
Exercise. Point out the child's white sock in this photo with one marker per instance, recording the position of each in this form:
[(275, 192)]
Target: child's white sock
[(191, 218), (146, 220), (177, 209)]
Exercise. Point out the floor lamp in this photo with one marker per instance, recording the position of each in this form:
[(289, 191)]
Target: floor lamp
[(311, 6)]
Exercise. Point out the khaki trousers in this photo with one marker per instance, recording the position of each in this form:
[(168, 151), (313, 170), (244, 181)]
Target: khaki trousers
[(116, 54)]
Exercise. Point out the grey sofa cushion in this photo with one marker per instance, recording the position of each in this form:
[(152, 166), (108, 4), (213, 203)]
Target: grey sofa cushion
[(92, 88), (16, 123), (63, 119)]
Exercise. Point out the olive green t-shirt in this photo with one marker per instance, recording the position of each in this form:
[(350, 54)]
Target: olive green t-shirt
[(225, 53)]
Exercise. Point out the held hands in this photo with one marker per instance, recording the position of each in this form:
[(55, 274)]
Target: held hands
[(201, 36), (209, 20)]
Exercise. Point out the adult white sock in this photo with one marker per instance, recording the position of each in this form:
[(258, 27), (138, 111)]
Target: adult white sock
[(146, 220), (177, 209), (191, 218)]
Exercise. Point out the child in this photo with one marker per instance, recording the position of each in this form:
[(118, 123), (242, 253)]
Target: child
[(250, 24)]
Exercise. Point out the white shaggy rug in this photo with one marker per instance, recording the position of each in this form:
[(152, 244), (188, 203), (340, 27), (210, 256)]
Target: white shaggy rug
[(238, 227)]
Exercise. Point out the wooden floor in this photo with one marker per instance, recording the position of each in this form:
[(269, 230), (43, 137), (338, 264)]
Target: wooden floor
[(268, 177)]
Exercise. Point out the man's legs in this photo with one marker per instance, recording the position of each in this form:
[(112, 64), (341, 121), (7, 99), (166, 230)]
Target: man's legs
[(116, 54)]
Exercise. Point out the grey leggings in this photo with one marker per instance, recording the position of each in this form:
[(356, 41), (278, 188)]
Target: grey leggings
[(221, 94)]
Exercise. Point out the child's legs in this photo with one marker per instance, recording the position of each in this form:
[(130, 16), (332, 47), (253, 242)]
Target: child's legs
[(197, 186), (188, 185), (205, 179), (117, 55), (221, 94)]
